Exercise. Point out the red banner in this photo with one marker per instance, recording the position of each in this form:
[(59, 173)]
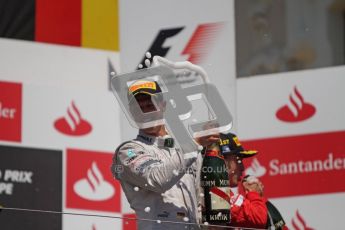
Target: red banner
[(90, 184), (10, 111), (299, 165)]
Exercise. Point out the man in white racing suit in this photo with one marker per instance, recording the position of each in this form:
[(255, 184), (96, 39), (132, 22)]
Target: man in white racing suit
[(159, 183)]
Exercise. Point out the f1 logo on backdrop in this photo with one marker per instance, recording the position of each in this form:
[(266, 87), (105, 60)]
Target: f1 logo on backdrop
[(72, 123), (297, 109), (298, 165), (90, 184), (197, 47), (10, 111)]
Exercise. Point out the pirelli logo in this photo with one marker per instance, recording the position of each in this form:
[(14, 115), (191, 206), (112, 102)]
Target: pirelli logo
[(147, 85)]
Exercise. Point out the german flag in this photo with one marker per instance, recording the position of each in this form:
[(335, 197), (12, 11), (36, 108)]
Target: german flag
[(85, 23)]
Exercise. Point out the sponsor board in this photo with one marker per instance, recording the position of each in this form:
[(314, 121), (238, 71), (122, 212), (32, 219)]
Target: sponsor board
[(292, 103), (296, 121), (58, 117), (10, 111), (31, 179), (89, 183), (314, 164)]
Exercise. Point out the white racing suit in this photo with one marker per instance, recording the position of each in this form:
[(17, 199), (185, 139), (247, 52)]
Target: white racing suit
[(159, 183)]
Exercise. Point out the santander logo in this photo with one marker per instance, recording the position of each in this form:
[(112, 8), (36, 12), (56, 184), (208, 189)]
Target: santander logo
[(93, 187), (296, 109), (298, 223), (89, 182), (279, 168), (255, 169), (72, 123)]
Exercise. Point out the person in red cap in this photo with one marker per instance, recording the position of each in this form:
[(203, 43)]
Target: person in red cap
[(249, 207)]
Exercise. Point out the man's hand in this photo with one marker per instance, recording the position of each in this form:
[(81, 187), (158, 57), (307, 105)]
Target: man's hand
[(207, 140), (254, 185)]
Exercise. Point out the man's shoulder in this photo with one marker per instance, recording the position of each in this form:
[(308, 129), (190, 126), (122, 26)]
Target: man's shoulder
[(130, 151), (132, 144)]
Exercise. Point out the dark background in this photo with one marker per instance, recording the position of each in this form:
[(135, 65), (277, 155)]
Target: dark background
[(44, 193)]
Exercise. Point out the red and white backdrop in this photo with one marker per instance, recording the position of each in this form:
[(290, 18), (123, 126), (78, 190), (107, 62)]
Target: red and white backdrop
[(60, 124), (296, 121)]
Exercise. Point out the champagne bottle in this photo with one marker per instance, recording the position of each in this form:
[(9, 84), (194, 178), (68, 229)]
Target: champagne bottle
[(215, 183)]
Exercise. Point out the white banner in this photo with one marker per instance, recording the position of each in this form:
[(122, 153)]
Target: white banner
[(56, 65), (313, 212), (292, 103), (58, 118)]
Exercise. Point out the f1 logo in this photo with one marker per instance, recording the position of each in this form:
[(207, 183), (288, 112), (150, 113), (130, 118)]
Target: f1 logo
[(197, 46), (178, 106), (157, 46)]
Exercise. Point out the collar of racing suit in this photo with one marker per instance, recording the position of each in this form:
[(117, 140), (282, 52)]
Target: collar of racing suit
[(164, 141)]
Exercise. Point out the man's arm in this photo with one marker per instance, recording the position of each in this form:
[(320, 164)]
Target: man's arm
[(255, 209), (249, 211), (141, 167)]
